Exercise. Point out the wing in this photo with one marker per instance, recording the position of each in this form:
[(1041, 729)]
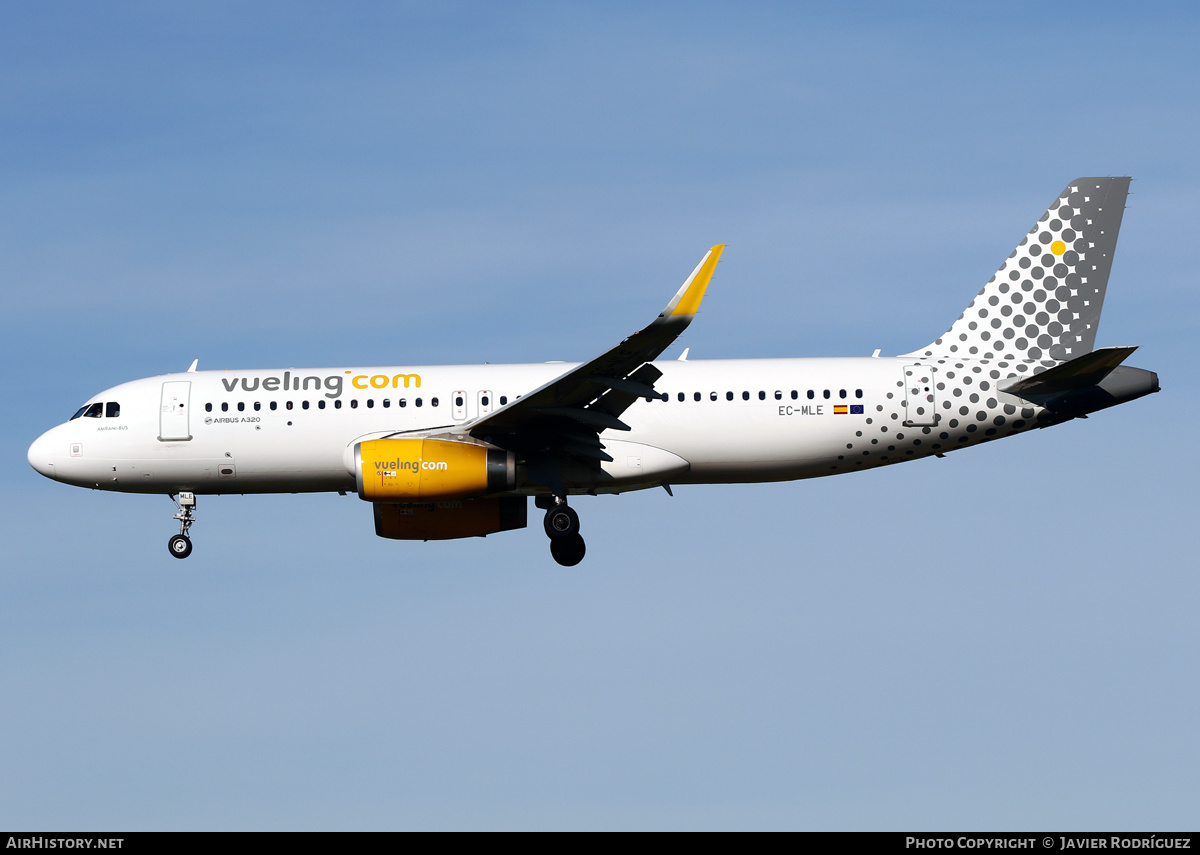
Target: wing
[(566, 415)]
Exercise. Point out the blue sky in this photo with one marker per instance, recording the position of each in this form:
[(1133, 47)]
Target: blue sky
[(1002, 639)]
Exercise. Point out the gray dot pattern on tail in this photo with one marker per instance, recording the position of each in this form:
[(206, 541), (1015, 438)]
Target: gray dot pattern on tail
[(1040, 308), (1043, 305), (969, 408)]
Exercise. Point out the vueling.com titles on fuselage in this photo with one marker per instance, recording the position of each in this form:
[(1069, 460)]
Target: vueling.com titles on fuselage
[(332, 383)]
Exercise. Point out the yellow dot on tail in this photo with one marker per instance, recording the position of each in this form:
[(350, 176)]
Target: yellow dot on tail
[(1058, 247)]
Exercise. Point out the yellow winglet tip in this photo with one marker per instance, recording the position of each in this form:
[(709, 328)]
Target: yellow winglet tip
[(689, 303)]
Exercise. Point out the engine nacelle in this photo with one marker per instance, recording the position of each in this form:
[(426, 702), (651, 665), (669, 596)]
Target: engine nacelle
[(450, 518), (410, 470)]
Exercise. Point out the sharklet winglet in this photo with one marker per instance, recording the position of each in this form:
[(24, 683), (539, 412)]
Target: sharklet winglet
[(687, 299)]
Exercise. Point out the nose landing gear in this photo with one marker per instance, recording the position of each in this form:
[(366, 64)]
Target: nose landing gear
[(180, 545), (562, 527)]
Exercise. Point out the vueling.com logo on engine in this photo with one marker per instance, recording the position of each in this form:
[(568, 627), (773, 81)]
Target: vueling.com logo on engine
[(389, 468)]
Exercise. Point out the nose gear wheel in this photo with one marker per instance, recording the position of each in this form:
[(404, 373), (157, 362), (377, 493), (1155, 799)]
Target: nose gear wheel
[(180, 545)]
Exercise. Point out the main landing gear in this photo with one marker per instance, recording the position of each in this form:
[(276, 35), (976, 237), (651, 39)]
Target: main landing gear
[(562, 527), (180, 545)]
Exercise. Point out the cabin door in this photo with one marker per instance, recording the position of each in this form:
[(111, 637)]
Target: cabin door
[(173, 413), (919, 396)]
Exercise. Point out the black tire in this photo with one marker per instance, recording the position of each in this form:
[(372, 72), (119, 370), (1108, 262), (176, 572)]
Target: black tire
[(561, 521), (180, 546), (568, 551)]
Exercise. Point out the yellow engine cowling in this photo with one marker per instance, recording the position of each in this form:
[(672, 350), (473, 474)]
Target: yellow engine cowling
[(412, 470), (450, 518)]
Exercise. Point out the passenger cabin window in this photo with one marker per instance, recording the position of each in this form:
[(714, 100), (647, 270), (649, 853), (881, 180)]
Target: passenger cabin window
[(337, 405), (778, 395), (826, 393), (387, 402), (795, 394), (745, 396), (95, 411), (418, 402), (274, 405), (810, 394), (712, 396), (433, 402), (289, 405), (257, 406), (503, 400), (403, 402), (697, 396), (354, 403), (728, 396), (858, 393), (321, 404), (241, 406), (225, 407), (682, 396), (841, 393), (370, 403), (484, 400), (762, 396), (208, 408)]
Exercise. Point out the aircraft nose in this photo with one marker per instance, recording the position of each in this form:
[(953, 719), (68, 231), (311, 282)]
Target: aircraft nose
[(41, 455)]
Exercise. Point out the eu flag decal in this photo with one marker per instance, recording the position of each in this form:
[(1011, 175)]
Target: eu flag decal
[(856, 409)]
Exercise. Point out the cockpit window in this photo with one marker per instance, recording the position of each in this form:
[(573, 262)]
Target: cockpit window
[(95, 411), (78, 413), (112, 410)]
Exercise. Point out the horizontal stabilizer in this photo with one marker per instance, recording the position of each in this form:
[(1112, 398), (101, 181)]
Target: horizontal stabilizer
[(1079, 373)]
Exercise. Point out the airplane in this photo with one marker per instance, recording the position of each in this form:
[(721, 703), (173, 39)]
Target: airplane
[(444, 452)]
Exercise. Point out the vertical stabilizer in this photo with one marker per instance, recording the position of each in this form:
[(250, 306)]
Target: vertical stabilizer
[(1044, 302)]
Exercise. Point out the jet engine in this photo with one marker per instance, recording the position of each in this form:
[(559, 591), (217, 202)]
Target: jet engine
[(413, 470)]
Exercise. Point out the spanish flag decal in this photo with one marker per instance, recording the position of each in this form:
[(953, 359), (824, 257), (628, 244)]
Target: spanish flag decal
[(840, 410)]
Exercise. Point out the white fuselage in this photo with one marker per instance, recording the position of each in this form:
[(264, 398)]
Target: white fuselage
[(291, 430)]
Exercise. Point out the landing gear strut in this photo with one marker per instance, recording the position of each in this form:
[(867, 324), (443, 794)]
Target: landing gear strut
[(562, 527), (180, 545)]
